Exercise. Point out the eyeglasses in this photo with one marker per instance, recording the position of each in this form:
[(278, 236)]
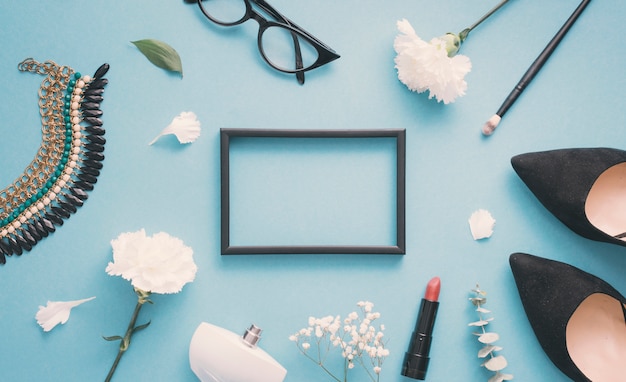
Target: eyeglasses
[(283, 45)]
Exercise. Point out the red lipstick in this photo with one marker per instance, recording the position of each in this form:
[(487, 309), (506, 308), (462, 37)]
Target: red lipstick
[(416, 358)]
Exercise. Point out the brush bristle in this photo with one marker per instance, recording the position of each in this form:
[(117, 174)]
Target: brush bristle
[(490, 126)]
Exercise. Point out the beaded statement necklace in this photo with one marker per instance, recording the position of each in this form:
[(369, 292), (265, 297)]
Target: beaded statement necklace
[(67, 164)]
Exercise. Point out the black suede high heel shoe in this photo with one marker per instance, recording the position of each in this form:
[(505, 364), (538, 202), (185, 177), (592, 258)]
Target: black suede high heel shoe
[(584, 188), (579, 319)]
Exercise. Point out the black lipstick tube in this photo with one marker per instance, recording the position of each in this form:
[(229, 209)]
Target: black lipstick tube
[(416, 358)]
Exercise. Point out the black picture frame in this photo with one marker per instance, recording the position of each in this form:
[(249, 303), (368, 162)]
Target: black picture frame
[(226, 134)]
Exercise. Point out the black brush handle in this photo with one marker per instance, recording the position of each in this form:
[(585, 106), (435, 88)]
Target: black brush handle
[(541, 59)]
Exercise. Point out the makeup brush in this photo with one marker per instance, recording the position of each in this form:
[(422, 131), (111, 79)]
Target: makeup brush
[(490, 126)]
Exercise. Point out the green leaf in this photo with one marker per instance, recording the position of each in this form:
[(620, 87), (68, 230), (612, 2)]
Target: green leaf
[(496, 363), (488, 338), (112, 338), (160, 54), (140, 327)]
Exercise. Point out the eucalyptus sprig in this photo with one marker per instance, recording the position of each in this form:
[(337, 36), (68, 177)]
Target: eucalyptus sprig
[(495, 363)]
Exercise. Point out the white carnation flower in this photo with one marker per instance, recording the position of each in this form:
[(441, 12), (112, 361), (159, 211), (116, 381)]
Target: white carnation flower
[(158, 264), (432, 66)]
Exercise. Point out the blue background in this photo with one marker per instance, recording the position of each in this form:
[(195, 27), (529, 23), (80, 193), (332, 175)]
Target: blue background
[(575, 101)]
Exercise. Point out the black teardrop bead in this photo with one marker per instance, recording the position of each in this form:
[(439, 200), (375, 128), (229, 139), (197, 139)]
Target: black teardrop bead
[(95, 91), (94, 156), (87, 178), (79, 193), (90, 171), (98, 83), (84, 185), (68, 207), (94, 98), (32, 230), (93, 164), (73, 200), (30, 239), (92, 113), (90, 106), (61, 212), (23, 243), (17, 249), (102, 70), (3, 259), (48, 225), (5, 246), (95, 130), (96, 139), (43, 232), (54, 218), (94, 121), (94, 147)]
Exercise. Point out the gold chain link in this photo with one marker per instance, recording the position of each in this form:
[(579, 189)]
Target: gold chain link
[(48, 157)]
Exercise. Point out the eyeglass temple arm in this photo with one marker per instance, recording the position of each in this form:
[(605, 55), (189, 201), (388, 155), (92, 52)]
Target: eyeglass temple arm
[(296, 44), (299, 63)]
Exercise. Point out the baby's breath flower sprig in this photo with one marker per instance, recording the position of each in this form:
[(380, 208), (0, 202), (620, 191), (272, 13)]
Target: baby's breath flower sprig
[(495, 363), (358, 339)]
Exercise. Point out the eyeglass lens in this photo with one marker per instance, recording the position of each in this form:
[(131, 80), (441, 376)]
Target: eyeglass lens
[(277, 42)]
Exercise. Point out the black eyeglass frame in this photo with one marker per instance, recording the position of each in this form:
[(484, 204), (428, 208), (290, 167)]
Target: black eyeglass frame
[(325, 53)]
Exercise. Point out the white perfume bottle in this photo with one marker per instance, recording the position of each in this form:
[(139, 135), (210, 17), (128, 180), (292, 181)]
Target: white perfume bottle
[(219, 355)]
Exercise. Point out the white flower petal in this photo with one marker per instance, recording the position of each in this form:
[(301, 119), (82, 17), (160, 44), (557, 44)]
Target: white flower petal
[(56, 312), (481, 224), (185, 126), (157, 264)]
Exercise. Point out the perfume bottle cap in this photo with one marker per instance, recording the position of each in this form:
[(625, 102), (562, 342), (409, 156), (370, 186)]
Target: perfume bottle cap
[(252, 335)]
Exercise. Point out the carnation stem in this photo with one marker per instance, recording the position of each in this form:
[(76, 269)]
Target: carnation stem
[(125, 341), (465, 32)]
